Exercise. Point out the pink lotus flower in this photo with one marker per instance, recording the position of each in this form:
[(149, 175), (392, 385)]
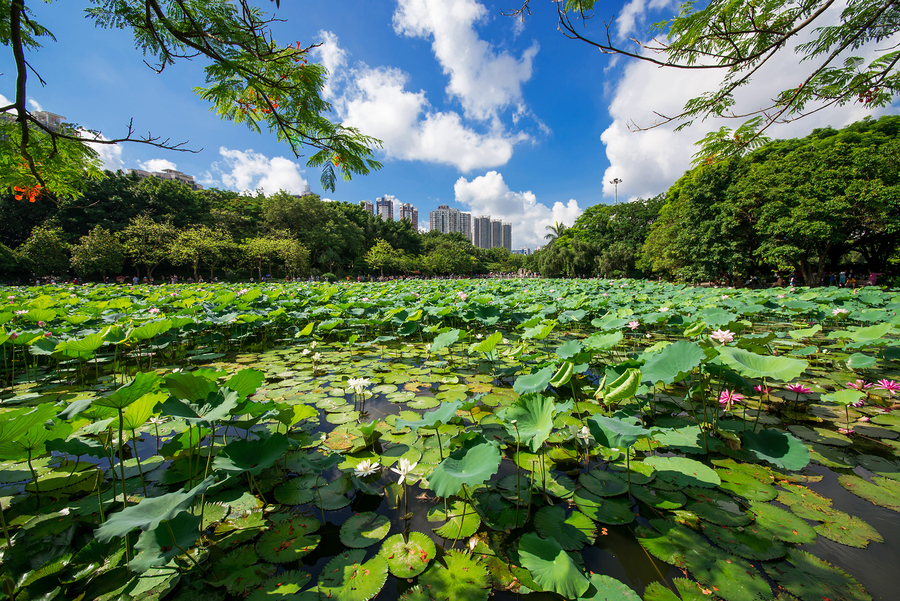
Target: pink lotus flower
[(722, 336), (839, 311), (41, 324), (889, 386), (864, 418), (153, 310), (462, 295), (13, 336), (634, 324), (859, 385), (729, 398), (48, 334), (761, 389), (798, 388), (846, 431), (780, 296)]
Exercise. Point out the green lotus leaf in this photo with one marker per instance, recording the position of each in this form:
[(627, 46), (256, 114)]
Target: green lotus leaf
[(821, 435), (348, 578), (461, 521), (683, 472), (881, 491), (470, 465), (860, 361), (563, 374), (498, 513), (158, 546), (286, 586), (604, 342), (364, 530), (82, 346), (150, 329), (189, 386), (843, 528), (659, 499), (812, 579), (750, 542), (668, 541), (751, 365), (142, 383), (733, 578), (569, 349), (137, 413), (778, 448), (149, 513), (536, 382), (443, 415), (623, 387), (607, 588), (746, 486), (871, 333), (407, 558), (490, 343), (289, 539), (572, 533), (530, 419), (783, 524), (604, 484), (465, 578), (245, 382), (444, 340), (251, 456), (551, 566), (616, 433), (687, 589), (673, 363), (847, 396), (239, 571), (16, 422), (613, 512)]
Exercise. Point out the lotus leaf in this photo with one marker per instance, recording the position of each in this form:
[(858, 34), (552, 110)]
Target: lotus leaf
[(616, 433), (289, 539), (286, 586), (551, 566), (461, 521), (812, 579), (445, 414), (606, 511), (778, 448), (607, 588), (659, 499), (239, 571), (149, 513), (750, 542), (604, 484), (733, 579), (142, 383), (687, 589), (683, 472), (251, 456), (751, 365), (407, 558), (364, 530), (465, 578), (536, 382), (572, 533), (160, 545), (348, 578), (530, 419), (673, 363)]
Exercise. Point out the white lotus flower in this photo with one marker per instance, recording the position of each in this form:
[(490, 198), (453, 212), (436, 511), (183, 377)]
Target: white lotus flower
[(317, 357), (358, 384), (404, 467), (366, 468), (722, 336)]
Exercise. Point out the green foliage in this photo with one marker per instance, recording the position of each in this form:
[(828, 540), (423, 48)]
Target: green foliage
[(46, 251), (98, 252)]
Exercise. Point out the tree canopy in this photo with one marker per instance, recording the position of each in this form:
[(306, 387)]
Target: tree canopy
[(251, 80), (849, 56)]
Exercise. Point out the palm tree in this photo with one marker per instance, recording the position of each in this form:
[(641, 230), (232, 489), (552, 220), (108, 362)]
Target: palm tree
[(555, 231)]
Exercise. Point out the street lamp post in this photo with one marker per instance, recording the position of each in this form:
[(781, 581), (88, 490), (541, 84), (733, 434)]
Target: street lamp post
[(615, 182)]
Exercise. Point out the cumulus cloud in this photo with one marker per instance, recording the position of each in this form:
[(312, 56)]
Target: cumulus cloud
[(632, 19), (248, 171), (157, 165), (484, 80), (110, 154), (334, 59), (488, 194), (376, 101), (648, 162), (35, 106)]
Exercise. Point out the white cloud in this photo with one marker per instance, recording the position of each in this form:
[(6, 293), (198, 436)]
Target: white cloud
[(334, 59), (247, 171), (110, 154), (485, 81), (488, 194), (157, 165), (379, 105), (35, 106), (649, 162), (632, 20)]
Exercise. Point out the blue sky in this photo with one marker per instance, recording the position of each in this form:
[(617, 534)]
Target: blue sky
[(479, 111)]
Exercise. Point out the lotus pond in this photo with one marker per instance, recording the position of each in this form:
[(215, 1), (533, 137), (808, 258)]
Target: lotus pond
[(449, 440)]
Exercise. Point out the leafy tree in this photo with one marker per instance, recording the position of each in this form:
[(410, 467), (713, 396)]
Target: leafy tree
[(9, 260), (259, 251), (738, 38), (554, 231), (295, 257), (382, 255), (250, 80), (98, 252), (448, 254), (198, 245), (148, 243), (46, 251), (20, 217)]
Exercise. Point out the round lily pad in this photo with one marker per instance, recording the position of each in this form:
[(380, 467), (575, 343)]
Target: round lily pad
[(820, 436), (289, 539), (285, 587), (881, 491), (725, 512), (607, 588), (604, 484), (783, 524), (296, 491), (364, 530), (746, 486), (460, 522), (572, 532), (464, 578), (749, 542), (812, 579), (347, 578), (659, 499), (407, 558), (613, 511), (682, 471), (847, 529), (880, 466)]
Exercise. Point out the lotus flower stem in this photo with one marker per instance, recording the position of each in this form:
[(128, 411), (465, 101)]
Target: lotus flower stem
[(5, 527), (462, 520), (764, 390), (518, 490), (137, 457), (440, 446), (122, 458), (100, 499), (37, 490)]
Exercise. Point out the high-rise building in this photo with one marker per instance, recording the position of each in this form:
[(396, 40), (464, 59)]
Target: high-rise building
[(482, 235), (507, 236), (384, 207), (367, 206), (496, 233), (446, 220), (407, 211)]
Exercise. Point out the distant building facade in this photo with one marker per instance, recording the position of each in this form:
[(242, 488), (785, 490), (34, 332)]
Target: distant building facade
[(507, 237), (482, 234), (496, 233), (367, 206), (384, 207), (407, 211), (446, 220), (168, 174)]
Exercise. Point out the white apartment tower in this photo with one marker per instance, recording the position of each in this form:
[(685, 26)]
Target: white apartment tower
[(384, 207), (407, 211), (446, 220)]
